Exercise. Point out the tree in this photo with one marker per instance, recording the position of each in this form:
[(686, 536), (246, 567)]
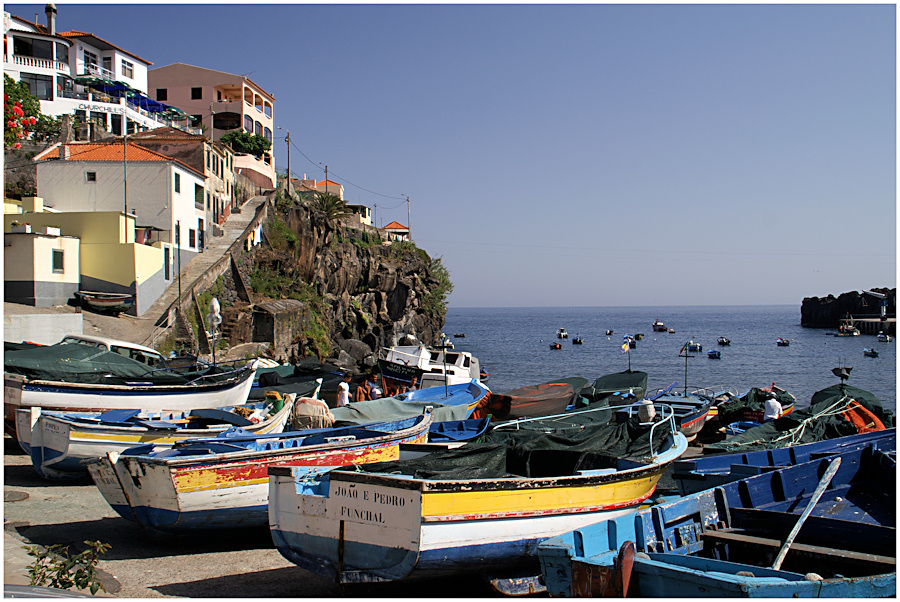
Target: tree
[(247, 143), (331, 205)]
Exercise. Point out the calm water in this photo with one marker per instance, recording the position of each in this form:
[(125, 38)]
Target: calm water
[(513, 345)]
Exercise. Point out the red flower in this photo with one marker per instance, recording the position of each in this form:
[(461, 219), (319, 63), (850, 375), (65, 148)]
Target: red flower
[(17, 145), (18, 110), (32, 120)]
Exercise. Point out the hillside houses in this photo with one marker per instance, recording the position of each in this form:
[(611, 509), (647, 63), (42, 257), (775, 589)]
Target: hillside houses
[(147, 183)]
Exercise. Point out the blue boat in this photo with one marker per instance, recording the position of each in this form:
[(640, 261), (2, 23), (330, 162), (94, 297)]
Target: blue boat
[(699, 474), (450, 431), (741, 539), (714, 354)]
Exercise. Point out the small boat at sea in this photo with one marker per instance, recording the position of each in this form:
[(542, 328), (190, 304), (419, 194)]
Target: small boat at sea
[(59, 442), (847, 329), (714, 354), (702, 473), (562, 334), (111, 303), (782, 342), (459, 335), (555, 346), (671, 331), (630, 341), (693, 346), (480, 508), (884, 338), (824, 528), (723, 341), (609, 332), (870, 352), (658, 326), (83, 378), (222, 483), (578, 341)]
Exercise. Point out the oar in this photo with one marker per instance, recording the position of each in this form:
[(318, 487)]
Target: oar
[(820, 489)]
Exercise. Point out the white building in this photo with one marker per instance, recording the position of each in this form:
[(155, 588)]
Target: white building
[(166, 196), (78, 73)]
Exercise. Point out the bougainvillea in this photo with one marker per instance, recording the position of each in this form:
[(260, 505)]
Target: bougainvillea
[(20, 112)]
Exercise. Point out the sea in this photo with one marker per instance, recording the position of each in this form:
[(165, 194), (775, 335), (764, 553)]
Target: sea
[(513, 346)]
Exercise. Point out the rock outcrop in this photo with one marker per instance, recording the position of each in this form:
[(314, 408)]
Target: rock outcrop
[(361, 292), (827, 312)]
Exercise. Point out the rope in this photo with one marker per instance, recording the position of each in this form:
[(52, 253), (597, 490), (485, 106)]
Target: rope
[(795, 434)]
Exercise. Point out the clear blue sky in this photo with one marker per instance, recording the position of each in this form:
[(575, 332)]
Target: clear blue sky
[(579, 155)]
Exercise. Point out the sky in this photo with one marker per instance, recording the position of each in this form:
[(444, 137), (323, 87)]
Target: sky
[(581, 154)]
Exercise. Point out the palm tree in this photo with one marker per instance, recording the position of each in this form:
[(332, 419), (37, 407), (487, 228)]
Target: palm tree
[(331, 205)]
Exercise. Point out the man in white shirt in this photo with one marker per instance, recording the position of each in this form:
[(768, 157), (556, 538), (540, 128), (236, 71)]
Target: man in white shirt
[(773, 408), (343, 396)]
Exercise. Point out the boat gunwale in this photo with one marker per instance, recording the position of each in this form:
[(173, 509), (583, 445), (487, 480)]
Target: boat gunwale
[(658, 464), (230, 459), (237, 379)]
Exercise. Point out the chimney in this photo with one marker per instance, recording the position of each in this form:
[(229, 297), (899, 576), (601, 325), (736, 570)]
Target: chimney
[(50, 11), (63, 152)]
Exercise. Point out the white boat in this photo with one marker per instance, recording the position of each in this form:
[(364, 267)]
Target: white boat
[(83, 378), (431, 367), (481, 508), (884, 338), (222, 483), (58, 442)]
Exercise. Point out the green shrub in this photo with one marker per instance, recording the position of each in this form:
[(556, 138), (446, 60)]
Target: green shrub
[(54, 567)]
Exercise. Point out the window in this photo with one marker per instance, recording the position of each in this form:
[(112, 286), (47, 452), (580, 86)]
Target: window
[(127, 69), (258, 131), (107, 63), (178, 182), (62, 52), (178, 234), (198, 196), (91, 176), (39, 49), (268, 134), (192, 237), (248, 123), (58, 261), (196, 93), (39, 85), (196, 120), (162, 94), (90, 61)]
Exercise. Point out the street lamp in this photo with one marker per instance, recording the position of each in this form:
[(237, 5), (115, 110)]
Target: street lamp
[(287, 139)]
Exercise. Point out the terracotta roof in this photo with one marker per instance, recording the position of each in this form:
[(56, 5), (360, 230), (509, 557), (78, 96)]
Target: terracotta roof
[(395, 226), (109, 151), (327, 182), (91, 37)]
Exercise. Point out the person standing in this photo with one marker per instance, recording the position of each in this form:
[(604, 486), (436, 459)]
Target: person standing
[(343, 396), (373, 386), (364, 391), (773, 408)]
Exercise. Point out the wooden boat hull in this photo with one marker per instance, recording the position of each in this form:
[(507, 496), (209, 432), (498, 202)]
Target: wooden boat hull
[(367, 527), (718, 542), (58, 446), (230, 489), (700, 474), (20, 392), (105, 302)]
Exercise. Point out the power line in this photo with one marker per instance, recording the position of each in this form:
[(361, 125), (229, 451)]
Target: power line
[(315, 164)]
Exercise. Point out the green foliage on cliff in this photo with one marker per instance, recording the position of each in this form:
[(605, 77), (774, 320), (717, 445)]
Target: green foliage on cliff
[(246, 143), (280, 235), (331, 205), (435, 301)]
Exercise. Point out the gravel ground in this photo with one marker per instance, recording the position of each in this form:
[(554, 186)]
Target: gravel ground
[(234, 564)]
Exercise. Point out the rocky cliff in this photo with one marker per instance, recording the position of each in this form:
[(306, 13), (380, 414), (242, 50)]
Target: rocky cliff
[(356, 292), (827, 312)]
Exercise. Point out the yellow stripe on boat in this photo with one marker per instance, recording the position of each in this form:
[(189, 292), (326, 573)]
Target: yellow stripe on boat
[(464, 505), (256, 472)]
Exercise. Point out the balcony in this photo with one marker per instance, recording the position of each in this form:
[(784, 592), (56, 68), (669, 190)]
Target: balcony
[(96, 70), (36, 63)]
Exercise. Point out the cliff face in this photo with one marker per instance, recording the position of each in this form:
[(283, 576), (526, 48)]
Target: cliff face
[(359, 293), (827, 312)]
